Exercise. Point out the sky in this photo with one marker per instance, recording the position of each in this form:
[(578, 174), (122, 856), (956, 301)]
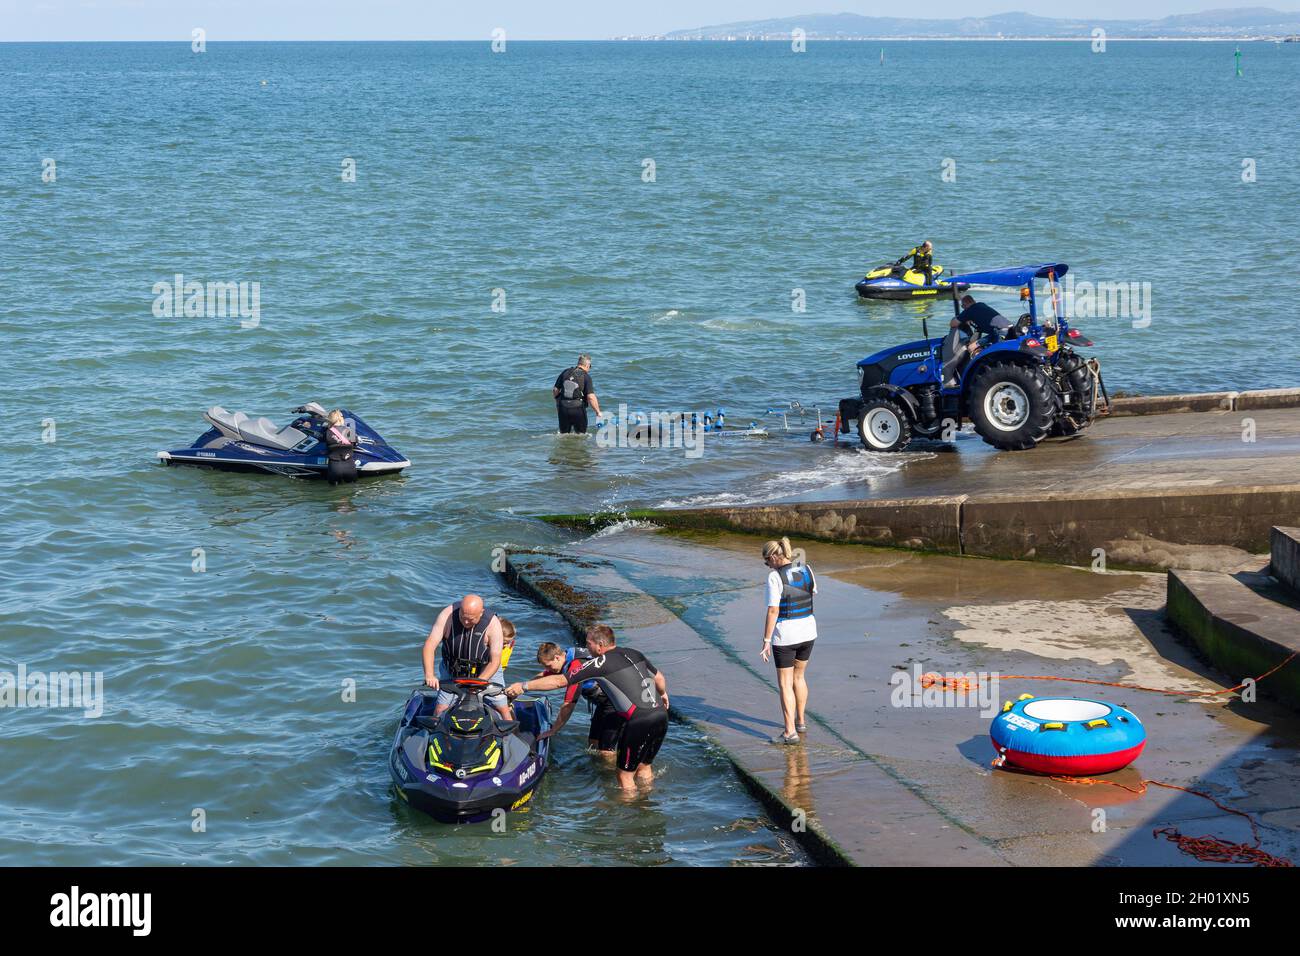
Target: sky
[(475, 19)]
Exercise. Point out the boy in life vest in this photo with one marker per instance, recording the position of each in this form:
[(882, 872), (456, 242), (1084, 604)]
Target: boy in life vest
[(603, 734), (507, 642)]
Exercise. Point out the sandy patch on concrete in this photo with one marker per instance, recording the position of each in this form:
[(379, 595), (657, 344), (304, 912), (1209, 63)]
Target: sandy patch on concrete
[(1094, 630)]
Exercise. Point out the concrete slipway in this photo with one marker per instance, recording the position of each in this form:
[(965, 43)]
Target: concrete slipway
[(883, 784)]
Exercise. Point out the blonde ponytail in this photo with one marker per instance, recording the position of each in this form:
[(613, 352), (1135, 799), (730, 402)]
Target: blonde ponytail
[(781, 547)]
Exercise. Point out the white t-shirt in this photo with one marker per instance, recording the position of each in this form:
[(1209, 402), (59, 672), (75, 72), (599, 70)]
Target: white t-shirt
[(798, 630)]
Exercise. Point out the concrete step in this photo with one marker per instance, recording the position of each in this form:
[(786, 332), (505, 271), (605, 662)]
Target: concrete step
[(1245, 624), (1284, 553)]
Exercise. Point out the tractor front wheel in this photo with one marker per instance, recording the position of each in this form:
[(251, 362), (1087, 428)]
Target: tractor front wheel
[(1013, 405), (883, 426)]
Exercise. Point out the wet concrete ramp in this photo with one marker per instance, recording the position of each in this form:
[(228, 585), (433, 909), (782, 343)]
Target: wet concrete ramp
[(887, 777), (1199, 491)]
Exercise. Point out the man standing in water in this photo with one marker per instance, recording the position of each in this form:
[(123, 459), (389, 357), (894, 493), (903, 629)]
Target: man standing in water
[(573, 392), (470, 638), (637, 692)]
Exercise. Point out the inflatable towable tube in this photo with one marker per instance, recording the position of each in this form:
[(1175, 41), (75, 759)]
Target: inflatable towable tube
[(1067, 736)]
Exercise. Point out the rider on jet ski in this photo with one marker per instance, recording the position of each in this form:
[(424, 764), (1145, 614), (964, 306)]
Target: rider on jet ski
[(469, 636), (922, 257)]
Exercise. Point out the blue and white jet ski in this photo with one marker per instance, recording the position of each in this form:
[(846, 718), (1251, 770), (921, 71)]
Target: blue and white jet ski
[(236, 442)]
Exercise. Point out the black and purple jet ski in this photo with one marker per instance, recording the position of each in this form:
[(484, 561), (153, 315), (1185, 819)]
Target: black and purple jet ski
[(469, 762)]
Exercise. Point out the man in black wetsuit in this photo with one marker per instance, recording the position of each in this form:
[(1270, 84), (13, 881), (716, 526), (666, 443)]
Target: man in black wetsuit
[(922, 257), (637, 692), (573, 392)]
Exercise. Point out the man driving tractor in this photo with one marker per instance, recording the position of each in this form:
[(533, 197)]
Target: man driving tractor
[(986, 320)]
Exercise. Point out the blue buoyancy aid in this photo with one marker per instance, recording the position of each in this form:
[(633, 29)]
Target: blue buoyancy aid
[(580, 654), (796, 594)]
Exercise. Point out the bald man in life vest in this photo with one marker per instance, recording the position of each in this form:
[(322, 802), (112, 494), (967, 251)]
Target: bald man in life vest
[(468, 635)]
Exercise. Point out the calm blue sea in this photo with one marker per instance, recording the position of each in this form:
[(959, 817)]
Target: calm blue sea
[(516, 180)]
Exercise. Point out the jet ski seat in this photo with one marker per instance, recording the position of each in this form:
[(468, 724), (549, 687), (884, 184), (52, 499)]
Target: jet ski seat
[(264, 432), (504, 726), (239, 427), (226, 422)]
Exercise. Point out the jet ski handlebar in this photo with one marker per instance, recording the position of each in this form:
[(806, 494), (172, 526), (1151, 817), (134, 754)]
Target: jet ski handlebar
[(459, 681)]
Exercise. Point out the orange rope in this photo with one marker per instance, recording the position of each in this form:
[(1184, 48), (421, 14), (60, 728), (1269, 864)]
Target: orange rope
[(1207, 849), (963, 683)]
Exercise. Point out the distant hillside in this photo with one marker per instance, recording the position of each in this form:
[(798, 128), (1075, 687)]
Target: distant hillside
[(1247, 22)]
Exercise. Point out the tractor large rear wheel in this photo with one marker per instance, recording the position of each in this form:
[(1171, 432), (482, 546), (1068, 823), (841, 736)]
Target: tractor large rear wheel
[(1013, 405)]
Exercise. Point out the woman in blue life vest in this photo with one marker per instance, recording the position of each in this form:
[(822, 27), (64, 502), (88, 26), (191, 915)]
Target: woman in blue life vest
[(789, 631)]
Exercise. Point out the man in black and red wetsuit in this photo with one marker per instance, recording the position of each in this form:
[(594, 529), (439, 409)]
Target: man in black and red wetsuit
[(636, 691)]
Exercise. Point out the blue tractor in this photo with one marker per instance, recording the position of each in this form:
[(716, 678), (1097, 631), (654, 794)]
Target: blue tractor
[(1019, 381)]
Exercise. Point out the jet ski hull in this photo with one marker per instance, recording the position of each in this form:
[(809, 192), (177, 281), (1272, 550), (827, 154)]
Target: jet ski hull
[(451, 798), (897, 284), (897, 290), (215, 449)]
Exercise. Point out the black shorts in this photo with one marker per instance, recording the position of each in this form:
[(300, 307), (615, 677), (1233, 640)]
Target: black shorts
[(786, 656), (572, 419), (606, 725), (639, 741)]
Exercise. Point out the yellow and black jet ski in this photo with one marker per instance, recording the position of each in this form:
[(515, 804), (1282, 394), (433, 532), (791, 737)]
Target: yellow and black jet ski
[(896, 281)]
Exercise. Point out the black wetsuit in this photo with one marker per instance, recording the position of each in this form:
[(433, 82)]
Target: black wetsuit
[(923, 262), (574, 386), (628, 680), (342, 464), (605, 722)]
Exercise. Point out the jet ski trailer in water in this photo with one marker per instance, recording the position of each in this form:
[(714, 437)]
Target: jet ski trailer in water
[(236, 442)]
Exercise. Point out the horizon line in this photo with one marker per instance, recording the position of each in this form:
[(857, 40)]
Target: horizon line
[(665, 38)]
